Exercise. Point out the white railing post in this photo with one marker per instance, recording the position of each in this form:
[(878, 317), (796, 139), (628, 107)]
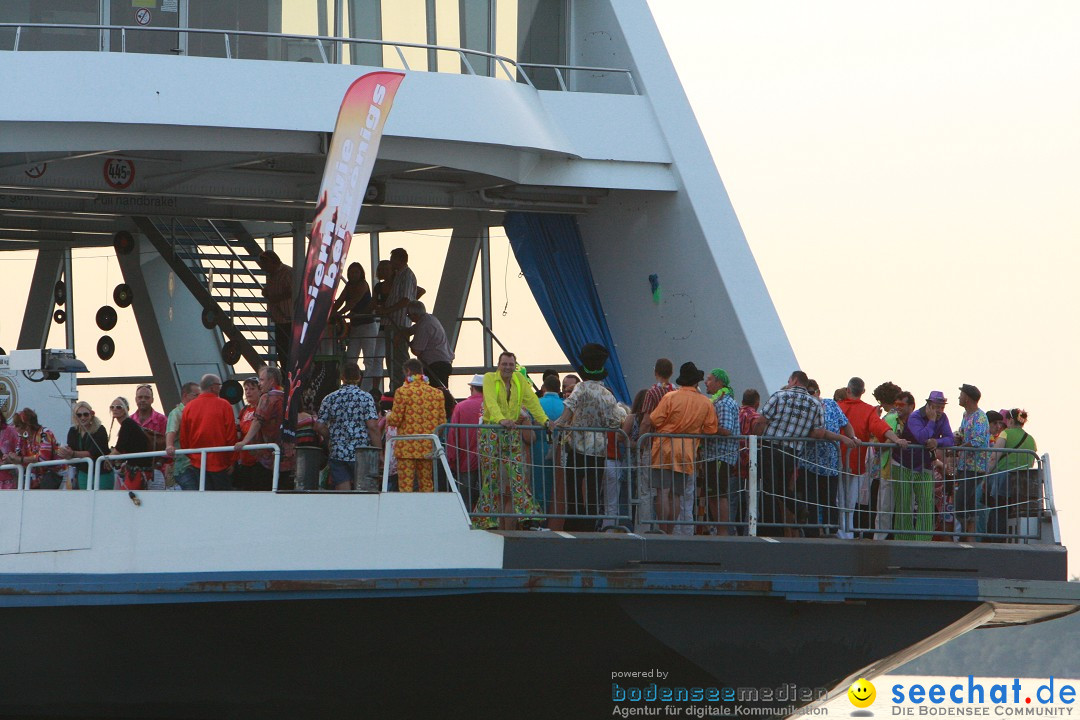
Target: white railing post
[(1048, 492), (752, 486)]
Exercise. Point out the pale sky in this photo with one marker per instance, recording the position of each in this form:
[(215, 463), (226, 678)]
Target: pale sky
[(914, 167)]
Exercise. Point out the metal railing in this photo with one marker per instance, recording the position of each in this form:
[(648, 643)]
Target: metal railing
[(777, 486), (570, 488), (465, 56), (92, 481), (437, 458), (19, 471), (599, 477), (29, 477)]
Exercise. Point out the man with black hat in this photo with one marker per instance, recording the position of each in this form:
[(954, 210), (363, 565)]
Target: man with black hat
[(684, 412), (591, 405), (971, 466)]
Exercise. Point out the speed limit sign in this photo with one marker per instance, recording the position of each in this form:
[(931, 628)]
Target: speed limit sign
[(119, 173)]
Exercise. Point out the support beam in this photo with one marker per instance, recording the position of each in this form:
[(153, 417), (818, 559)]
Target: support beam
[(39, 305), (457, 280), (149, 329), (69, 301), (374, 238), (485, 292)]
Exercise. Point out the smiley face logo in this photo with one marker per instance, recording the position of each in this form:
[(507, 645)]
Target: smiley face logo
[(861, 693)]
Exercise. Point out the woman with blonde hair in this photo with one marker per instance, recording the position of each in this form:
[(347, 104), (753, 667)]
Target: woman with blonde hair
[(130, 438), (87, 438)]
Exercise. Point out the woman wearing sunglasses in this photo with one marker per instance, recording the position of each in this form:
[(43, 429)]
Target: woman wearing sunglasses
[(135, 474), (87, 438)]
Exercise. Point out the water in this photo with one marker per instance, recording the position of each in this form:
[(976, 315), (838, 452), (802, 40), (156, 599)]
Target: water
[(884, 706)]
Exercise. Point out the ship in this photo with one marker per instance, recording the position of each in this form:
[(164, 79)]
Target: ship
[(184, 137)]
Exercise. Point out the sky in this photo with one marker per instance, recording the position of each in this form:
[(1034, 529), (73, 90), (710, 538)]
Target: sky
[(915, 166)]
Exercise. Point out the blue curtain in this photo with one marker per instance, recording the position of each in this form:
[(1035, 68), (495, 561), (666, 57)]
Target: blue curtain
[(551, 255)]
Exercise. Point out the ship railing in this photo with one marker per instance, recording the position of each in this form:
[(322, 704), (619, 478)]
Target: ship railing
[(430, 449), (574, 478), (93, 484), (19, 471), (426, 55), (58, 476), (689, 483), (949, 493)]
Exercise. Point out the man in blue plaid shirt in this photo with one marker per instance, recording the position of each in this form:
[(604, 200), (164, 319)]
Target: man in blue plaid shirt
[(791, 413)]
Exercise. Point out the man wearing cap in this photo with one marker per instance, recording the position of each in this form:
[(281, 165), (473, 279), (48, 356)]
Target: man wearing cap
[(429, 343), (685, 412), (929, 427), (855, 486), (721, 456), (461, 450), (971, 466)]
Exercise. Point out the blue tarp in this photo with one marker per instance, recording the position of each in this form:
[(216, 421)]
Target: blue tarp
[(552, 257)]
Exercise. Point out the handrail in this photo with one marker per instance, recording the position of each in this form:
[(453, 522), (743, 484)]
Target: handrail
[(19, 472), (486, 330), (438, 453), (202, 452), (53, 463), (500, 60)]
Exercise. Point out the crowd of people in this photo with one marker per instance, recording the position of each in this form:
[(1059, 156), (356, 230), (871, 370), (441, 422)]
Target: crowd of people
[(835, 466), (567, 455)]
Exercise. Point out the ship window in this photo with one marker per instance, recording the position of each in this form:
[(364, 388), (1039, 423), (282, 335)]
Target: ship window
[(67, 12), (233, 15), (541, 36)]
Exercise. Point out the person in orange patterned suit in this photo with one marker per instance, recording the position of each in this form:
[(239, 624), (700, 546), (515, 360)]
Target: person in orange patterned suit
[(419, 408)]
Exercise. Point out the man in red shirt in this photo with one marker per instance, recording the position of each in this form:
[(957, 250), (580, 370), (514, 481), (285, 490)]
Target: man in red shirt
[(208, 421), (855, 486)]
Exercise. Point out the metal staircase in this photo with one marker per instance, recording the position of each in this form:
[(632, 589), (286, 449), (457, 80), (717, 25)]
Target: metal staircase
[(216, 261)]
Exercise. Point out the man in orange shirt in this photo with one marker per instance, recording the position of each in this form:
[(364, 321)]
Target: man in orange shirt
[(684, 411), (418, 410), (208, 421)]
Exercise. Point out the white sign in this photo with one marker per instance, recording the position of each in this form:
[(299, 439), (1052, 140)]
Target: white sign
[(143, 16), (169, 5)]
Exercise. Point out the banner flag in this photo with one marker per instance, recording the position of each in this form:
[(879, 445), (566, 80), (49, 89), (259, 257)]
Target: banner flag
[(345, 179)]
